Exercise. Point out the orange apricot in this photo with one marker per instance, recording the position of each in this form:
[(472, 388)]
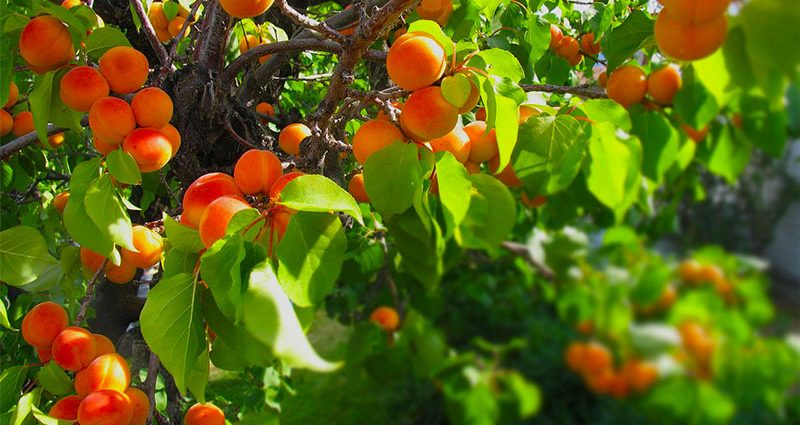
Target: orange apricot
[(74, 348), (662, 85), (373, 136), (6, 122), (711, 273), (60, 201), (575, 60), (568, 47), (125, 68), (141, 406), (102, 147), (157, 16), (215, 218), (689, 271), (13, 94), (436, 10), (472, 167), (697, 341), (44, 353), (265, 108), (602, 79), (103, 345), (619, 386), (457, 142), (277, 187), (46, 44), (150, 246), (386, 317), (66, 408), (357, 189), (696, 135), (174, 137), (175, 25), (204, 191), (507, 176), (480, 114), (483, 143), (279, 221), (69, 4), (91, 260), (696, 11), (602, 382), (120, 274), (152, 107), (555, 37), (249, 41), (596, 358), (256, 171), (416, 60), (149, 147), (111, 119), (427, 115), (526, 112), (687, 41), (43, 323), (81, 87), (23, 124), (290, 137), (588, 45), (56, 140), (535, 202), (245, 8), (105, 407), (106, 372), (639, 375), (627, 85), (574, 355), (204, 414)]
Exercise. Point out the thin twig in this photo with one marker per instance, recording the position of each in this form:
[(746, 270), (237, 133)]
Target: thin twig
[(149, 383), (23, 141), (310, 23), (150, 32), (87, 299), (585, 91), (521, 250), (239, 139)]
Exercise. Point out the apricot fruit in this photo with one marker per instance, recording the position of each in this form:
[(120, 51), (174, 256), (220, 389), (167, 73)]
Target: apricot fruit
[(81, 87), (150, 246), (277, 187), (66, 408), (574, 355), (204, 191), (149, 147), (106, 372), (256, 171), (663, 84), (74, 348), (686, 41), (427, 115), (249, 41), (416, 60), (279, 221), (56, 140), (357, 189), (575, 60), (483, 143), (141, 406), (568, 47), (105, 407), (111, 119), (125, 68), (436, 10), (102, 147), (152, 107), (13, 94), (265, 108), (44, 354), (588, 45), (157, 16), (601, 382), (596, 359), (472, 167), (639, 375), (91, 260), (174, 137), (120, 274), (290, 137), (23, 124), (696, 11), (619, 386), (555, 37), (175, 26), (245, 8), (43, 323), (508, 177), (60, 201), (69, 4), (204, 414), (457, 142), (602, 79), (386, 317), (103, 345), (45, 44), (535, 202), (373, 136), (6, 122), (215, 218), (627, 85), (526, 112)]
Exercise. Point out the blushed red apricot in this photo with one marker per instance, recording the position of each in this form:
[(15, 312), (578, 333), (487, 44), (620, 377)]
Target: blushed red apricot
[(69, 4), (216, 217), (103, 345), (150, 246), (74, 348), (663, 84), (106, 372), (23, 124), (427, 115), (507, 176), (256, 171), (696, 135), (105, 407), (568, 47), (245, 8), (149, 147), (456, 142), (42, 324), (483, 143), (81, 87), (204, 414), (416, 60), (204, 191), (46, 44), (386, 317), (60, 201), (120, 274), (555, 36), (277, 187), (535, 202), (152, 107), (357, 189), (6, 122), (627, 85), (13, 94), (141, 405), (602, 79), (686, 41), (44, 353), (111, 119), (66, 408), (279, 221), (290, 137), (373, 136), (125, 69), (575, 60), (174, 137)]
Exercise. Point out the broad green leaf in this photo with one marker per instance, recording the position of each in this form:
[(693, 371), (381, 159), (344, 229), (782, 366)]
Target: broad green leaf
[(220, 270), (527, 395), (456, 89), (248, 351), (506, 125), (715, 77), (315, 193), (197, 377), (108, 213), (627, 38), (498, 62), (23, 255), (310, 257), (83, 230), (728, 154), (123, 167), (171, 9), (606, 110), (40, 99), (53, 379), (11, 380), (177, 262), (763, 125), (83, 175), (454, 190), (491, 214), (435, 31), (269, 316), (694, 103), (4, 317), (182, 237), (24, 409), (47, 420), (549, 153), (172, 326), (392, 177), (538, 37), (614, 171), (660, 143), (421, 247), (772, 32)]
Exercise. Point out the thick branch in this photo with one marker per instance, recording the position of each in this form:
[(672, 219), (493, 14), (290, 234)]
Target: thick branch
[(310, 23), (22, 142), (150, 32), (521, 250), (585, 91)]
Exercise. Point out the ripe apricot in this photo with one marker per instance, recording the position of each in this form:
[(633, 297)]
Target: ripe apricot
[(249, 41), (619, 386), (526, 112), (42, 324), (6, 122), (596, 358), (66, 408), (436, 10), (662, 85), (588, 45), (81, 87), (416, 60), (91, 260), (60, 201), (696, 135), (44, 353), (125, 69), (56, 140), (13, 94), (111, 119), (277, 187), (696, 11), (602, 382), (568, 47), (46, 44), (602, 79), (149, 147), (173, 135), (204, 414), (427, 115), (555, 37), (103, 345), (175, 25), (639, 375), (69, 4), (105, 407), (120, 274), (689, 271), (507, 176), (585, 327), (215, 218), (456, 142), (23, 124), (245, 8), (483, 143), (74, 348), (106, 372), (265, 108), (535, 202), (141, 406), (102, 147), (256, 171), (373, 136), (148, 243), (204, 191), (574, 355), (290, 137), (357, 189), (279, 221), (627, 85), (157, 16), (386, 317), (472, 167), (575, 60), (152, 107), (687, 41)]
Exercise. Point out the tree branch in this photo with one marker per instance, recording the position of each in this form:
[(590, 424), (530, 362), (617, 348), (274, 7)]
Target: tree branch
[(310, 23), (24, 141), (521, 250), (174, 48), (150, 32), (87, 299), (586, 91)]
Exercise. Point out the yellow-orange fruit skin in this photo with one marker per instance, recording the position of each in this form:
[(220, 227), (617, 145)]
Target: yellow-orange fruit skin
[(596, 359), (575, 60), (639, 375), (277, 187), (152, 107), (102, 147), (280, 221), (256, 171), (507, 176), (555, 36), (103, 345), (23, 124), (588, 45), (141, 406), (568, 47), (627, 85), (120, 274), (81, 87), (483, 143), (290, 137), (56, 140), (44, 354), (46, 44), (415, 61), (106, 372), (663, 85), (386, 317), (472, 167), (436, 10), (174, 137), (125, 69), (148, 243), (696, 135), (74, 348), (456, 142), (13, 94), (686, 41), (69, 4), (43, 323), (6, 122), (111, 119), (697, 11), (216, 217), (245, 8), (66, 408), (373, 136), (427, 115), (265, 109), (175, 25), (91, 260), (357, 189), (204, 414), (602, 79), (105, 407), (573, 356), (149, 147), (526, 112), (60, 201), (249, 41), (203, 191), (157, 16)]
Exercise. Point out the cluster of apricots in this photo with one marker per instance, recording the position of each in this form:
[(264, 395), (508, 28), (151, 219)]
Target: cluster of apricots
[(167, 29), (694, 273), (22, 122), (103, 395), (596, 365), (6, 119), (698, 344), (245, 8), (149, 248), (691, 29), (569, 48), (248, 41), (628, 85)]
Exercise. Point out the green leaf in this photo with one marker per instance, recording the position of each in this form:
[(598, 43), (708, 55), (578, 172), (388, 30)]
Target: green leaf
[(269, 316), (177, 262), (53, 379), (182, 237), (627, 38), (614, 173), (435, 31), (421, 247), (173, 327), (660, 143), (772, 32), (491, 215), (506, 124), (23, 255), (538, 37), (171, 9), (456, 89), (245, 349), (714, 75), (527, 395), (499, 62), (695, 105), (315, 193), (47, 420), (728, 154), (25, 406), (197, 378), (4, 317), (549, 153), (764, 125), (220, 269), (123, 167), (392, 177), (40, 99), (454, 190), (310, 257), (11, 380), (83, 175), (606, 110), (108, 213)]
